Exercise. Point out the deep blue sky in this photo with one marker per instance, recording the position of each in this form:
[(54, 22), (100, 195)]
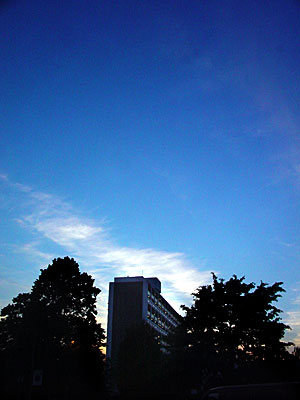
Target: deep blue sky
[(154, 137)]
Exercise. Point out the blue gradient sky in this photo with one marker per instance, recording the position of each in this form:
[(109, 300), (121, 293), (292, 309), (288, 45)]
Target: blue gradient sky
[(151, 137)]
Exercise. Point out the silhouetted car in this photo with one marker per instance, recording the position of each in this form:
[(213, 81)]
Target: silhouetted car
[(265, 391)]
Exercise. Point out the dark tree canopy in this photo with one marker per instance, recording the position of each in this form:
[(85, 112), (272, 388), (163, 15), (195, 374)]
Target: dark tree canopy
[(232, 334), (238, 319), (68, 299), (54, 329)]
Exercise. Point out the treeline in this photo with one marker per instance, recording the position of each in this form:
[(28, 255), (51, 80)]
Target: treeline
[(50, 342)]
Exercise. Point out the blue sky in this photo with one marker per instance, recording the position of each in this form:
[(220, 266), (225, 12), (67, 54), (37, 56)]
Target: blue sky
[(155, 138)]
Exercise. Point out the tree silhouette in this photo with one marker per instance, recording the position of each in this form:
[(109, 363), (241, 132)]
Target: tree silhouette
[(54, 329), (237, 319), (231, 334)]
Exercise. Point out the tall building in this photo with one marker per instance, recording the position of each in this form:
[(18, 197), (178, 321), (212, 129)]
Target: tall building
[(133, 300)]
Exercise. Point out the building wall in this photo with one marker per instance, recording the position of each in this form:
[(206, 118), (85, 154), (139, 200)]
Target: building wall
[(127, 311), (133, 300)]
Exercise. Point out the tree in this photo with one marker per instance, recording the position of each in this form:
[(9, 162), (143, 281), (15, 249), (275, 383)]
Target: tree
[(231, 334), (54, 329), (237, 319)]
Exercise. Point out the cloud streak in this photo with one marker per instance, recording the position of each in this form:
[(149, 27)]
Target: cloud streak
[(293, 320), (89, 242), (55, 225)]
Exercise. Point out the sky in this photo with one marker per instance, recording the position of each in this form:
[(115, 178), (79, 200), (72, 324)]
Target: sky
[(154, 138)]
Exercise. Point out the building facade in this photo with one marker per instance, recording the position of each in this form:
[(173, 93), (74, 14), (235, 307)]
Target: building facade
[(133, 300)]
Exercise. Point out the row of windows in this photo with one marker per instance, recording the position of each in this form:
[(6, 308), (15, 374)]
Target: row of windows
[(157, 328), (161, 303), (164, 313), (159, 319)]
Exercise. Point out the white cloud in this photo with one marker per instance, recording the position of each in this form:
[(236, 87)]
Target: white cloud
[(55, 222), (33, 252), (297, 300), (97, 252), (4, 177), (62, 230), (293, 318), (9, 282), (296, 341)]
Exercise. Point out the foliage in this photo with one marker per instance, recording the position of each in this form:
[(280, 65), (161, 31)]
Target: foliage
[(54, 328), (68, 300), (237, 319), (232, 334), (296, 352)]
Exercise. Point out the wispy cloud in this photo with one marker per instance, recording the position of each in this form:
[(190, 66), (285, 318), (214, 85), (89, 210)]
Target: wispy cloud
[(90, 243), (296, 290), (9, 286), (10, 282), (293, 318), (54, 223), (4, 177), (33, 252), (297, 301)]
